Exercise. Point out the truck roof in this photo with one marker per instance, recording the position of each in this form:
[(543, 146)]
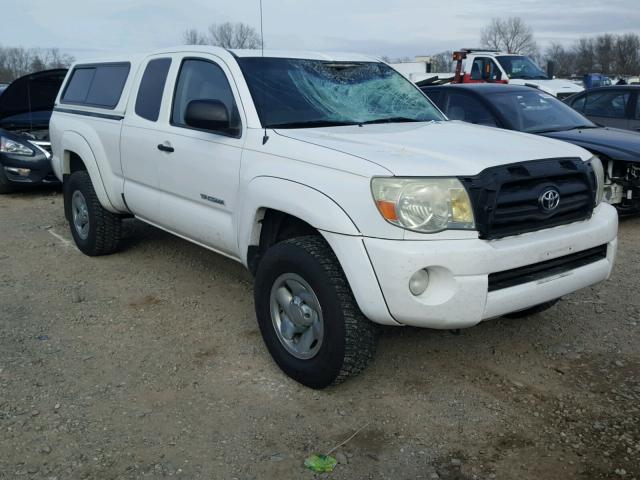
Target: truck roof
[(309, 55)]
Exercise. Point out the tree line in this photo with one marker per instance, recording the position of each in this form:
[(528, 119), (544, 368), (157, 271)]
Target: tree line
[(18, 61), (608, 53)]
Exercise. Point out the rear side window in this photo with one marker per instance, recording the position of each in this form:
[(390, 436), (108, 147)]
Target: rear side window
[(611, 104), (152, 88), (96, 85)]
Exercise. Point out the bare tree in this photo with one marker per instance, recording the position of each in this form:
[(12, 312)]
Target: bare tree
[(563, 60), (191, 36), (585, 56), (511, 35), (442, 62), (18, 61), (627, 54), (604, 52), (225, 35)]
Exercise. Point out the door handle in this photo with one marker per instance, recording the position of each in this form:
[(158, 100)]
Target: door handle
[(165, 148)]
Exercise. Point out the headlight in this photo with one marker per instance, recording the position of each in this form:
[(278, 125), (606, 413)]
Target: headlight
[(423, 204), (16, 148), (596, 164)]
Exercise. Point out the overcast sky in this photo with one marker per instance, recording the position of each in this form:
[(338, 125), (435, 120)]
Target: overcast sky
[(91, 28)]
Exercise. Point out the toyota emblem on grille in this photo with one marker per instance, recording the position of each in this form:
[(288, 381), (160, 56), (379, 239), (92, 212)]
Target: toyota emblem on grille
[(549, 199)]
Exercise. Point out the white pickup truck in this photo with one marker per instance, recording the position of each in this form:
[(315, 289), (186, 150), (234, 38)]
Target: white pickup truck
[(338, 184)]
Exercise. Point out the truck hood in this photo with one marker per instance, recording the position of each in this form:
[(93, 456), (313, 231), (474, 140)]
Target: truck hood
[(554, 87), (35, 92), (614, 143), (450, 148)]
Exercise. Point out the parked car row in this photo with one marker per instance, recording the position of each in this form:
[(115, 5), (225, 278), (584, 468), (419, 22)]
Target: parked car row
[(530, 110), (345, 191)]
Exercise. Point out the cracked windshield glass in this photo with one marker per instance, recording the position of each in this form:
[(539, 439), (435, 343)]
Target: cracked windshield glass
[(295, 93)]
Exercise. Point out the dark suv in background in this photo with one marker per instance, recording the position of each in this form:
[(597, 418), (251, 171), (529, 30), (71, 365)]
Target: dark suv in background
[(617, 106)]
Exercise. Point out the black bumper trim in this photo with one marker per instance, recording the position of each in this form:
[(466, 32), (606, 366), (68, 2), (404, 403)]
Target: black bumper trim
[(548, 268)]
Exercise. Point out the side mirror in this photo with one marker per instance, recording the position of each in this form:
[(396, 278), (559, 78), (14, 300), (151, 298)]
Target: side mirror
[(207, 115)]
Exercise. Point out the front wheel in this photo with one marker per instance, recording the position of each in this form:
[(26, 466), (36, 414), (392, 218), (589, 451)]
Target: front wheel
[(95, 230), (308, 317)]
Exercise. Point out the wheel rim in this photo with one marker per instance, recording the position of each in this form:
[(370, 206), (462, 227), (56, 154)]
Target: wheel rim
[(296, 316), (80, 214)]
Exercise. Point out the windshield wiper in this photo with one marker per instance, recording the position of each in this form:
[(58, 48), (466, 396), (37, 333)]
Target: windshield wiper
[(311, 124), (563, 129), (391, 120)]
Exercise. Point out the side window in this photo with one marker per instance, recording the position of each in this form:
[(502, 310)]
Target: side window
[(607, 104), (637, 106), (97, 85), (469, 109), (203, 80), (484, 68), (578, 104), (151, 88)]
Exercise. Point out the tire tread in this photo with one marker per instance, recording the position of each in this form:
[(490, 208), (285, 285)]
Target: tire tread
[(108, 225), (361, 333)]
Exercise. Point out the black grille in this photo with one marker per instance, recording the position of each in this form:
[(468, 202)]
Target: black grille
[(506, 199), (537, 271)]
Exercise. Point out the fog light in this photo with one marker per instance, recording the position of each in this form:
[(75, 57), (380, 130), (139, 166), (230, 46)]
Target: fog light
[(418, 282), (23, 172)]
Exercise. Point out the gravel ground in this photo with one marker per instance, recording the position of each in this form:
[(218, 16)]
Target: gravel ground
[(149, 364)]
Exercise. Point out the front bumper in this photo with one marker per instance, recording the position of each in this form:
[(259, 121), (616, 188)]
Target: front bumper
[(458, 295), (30, 171)]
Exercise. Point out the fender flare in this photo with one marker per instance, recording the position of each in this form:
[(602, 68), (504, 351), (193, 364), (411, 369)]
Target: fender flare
[(76, 143), (291, 197)]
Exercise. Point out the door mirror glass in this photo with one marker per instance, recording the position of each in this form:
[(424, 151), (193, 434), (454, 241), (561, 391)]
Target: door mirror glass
[(207, 115)]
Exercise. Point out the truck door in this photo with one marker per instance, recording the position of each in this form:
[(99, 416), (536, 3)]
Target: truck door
[(199, 167), (140, 137)]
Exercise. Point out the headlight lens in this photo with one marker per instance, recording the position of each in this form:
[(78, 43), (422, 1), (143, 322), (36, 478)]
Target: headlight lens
[(423, 204), (596, 164), (16, 148)]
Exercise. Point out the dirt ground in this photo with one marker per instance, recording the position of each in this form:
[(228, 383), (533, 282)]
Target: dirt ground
[(149, 364)]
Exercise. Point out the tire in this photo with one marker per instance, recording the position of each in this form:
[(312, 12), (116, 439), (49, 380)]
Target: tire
[(103, 228), (532, 310), (348, 339), (5, 184)]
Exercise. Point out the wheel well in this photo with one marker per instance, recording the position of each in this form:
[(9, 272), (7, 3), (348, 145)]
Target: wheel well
[(274, 227), (75, 163)]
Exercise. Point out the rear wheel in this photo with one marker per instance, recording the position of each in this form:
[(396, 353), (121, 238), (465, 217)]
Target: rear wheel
[(96, 231), (308, 317), (533, 310)]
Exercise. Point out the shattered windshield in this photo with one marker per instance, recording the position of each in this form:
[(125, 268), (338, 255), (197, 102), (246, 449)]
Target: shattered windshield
[(295, 93), (518, 66)]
